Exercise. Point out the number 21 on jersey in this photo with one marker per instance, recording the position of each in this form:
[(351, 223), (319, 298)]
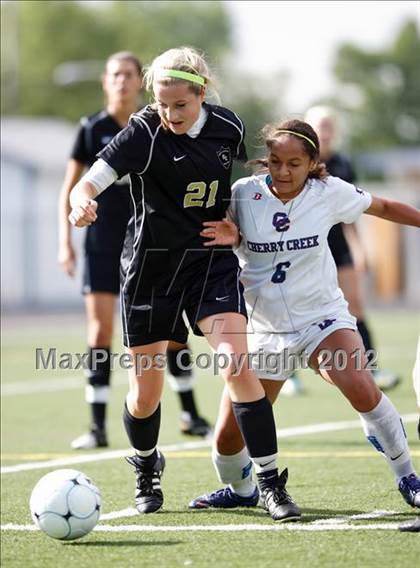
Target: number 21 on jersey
[(196, 194)]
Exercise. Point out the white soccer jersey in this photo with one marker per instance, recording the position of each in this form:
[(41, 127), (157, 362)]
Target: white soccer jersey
[(288, 271)]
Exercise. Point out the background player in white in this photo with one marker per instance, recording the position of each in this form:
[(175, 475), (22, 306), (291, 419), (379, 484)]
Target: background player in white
[(121, 84), (294, 303), (179, 155)]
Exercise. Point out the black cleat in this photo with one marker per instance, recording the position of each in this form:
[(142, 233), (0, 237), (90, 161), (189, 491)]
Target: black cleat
[(149, 496), (195, 427), (278, 503), (410, 526)]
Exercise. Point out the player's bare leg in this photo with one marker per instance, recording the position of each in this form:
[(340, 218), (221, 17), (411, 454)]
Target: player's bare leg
[(252, 411), (380, 420), (142, 422), (100, 321)]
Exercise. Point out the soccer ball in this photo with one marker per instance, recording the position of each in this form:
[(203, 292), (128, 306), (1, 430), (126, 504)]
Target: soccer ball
[(65, 504)]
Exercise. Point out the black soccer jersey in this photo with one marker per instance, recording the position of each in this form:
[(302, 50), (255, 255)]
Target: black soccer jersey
[(177, 183), (339, 166), (106, 235)]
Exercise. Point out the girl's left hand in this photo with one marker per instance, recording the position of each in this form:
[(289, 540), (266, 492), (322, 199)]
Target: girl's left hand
[(221, 232)]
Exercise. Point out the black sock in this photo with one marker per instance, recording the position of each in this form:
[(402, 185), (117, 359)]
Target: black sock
[(256, 422), (99, 375), (177, 368), (188, 403), (366, 338), (98, 411), (143, 433), (268, 479)]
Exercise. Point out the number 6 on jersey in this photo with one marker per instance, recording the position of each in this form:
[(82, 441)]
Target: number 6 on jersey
[(279, 275)]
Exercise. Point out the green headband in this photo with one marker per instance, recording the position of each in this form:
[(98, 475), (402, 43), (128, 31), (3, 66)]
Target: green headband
[(311, 142), (175, 74)]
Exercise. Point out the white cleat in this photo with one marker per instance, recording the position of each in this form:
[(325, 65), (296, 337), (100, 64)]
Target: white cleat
[(292, 387), (90, 440), (385, 380)]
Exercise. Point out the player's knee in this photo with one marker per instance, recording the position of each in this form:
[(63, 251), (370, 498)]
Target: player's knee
[(143, 403), (144, 408), (100, 333), (234, 370)]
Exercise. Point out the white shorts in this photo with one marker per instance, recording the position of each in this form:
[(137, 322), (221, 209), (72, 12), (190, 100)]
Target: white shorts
[(276, 356)]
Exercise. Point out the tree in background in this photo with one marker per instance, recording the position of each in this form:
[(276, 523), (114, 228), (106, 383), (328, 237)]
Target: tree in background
[(258, 101), (54, 52), (387, 87)]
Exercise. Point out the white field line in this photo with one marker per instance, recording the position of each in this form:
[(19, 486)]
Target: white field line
[(360, 516), (55, 384), (130, 512), (222, 528), (100, 456), (114, 454)]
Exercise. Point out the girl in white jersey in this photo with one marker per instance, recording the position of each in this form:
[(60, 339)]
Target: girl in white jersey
[(296, 309)]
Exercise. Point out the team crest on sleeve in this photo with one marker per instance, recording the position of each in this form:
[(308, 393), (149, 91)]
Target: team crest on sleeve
[(257, 196), (225, 156)]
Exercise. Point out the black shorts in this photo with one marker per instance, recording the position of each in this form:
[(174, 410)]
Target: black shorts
[(339, 246), (214, 289), (101, 273)]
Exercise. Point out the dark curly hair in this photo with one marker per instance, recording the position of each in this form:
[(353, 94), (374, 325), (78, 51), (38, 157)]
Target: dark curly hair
[(271, 132)]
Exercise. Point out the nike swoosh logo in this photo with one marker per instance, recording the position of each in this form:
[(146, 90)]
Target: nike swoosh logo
[(396, 457), (222, 299), (177, 158), (266, 464)]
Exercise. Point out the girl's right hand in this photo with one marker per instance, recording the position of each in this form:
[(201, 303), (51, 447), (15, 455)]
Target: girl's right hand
[(67, 259), (84, 213), (221, 233)]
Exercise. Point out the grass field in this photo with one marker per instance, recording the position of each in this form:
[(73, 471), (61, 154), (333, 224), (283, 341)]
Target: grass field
[(351, 508)]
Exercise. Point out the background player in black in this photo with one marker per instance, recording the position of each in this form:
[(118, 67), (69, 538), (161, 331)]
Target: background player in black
[(121, 82), (323, 121), (179, 155)]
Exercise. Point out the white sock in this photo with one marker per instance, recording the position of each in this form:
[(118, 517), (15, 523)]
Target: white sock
[(236, 471), (144, 453), (181, 384), (265, 463), (384, 430)]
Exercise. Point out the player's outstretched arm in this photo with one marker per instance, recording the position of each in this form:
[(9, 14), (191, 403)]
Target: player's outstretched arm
[(394, 211), (221, 232)]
